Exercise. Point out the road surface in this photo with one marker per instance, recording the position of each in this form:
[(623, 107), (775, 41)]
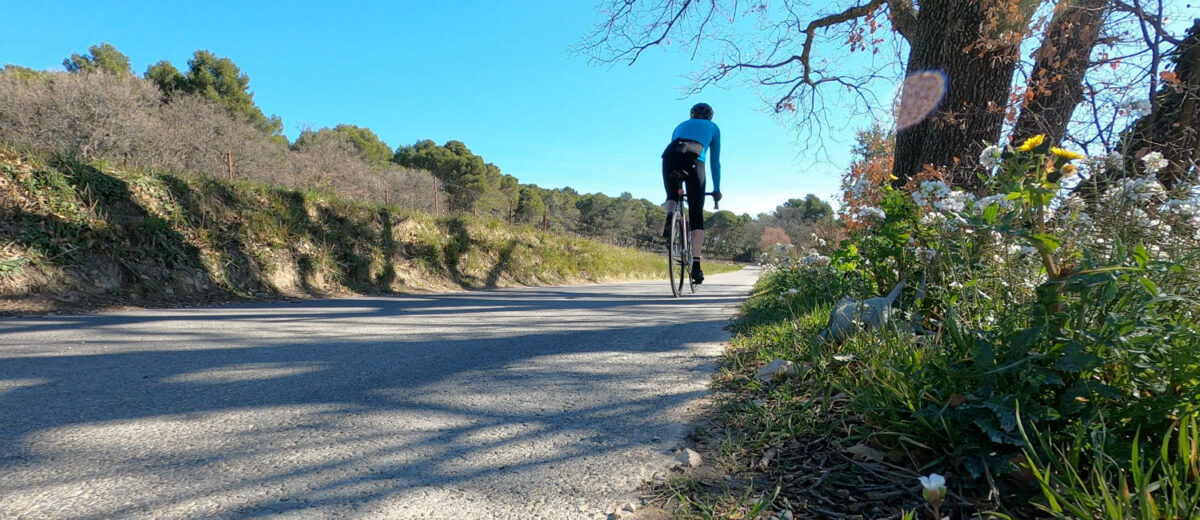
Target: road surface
[(515, 403)]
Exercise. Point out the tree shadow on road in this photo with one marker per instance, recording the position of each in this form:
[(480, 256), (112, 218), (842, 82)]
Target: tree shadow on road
[(400, 404)]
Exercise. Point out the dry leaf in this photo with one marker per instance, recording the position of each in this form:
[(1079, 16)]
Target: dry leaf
[(766, 458), (864, 452)]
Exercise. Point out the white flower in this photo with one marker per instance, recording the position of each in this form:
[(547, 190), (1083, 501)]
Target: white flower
[(990, 158), (929, 192), (815, 260), (792, 291), (933, 482), (934, 488), (1114, 159), (1154, 161), (1073, 204), (1082, 222), (933, 219), (925, 254), (1001, 199), (954, 202), (1137, 189), (1142, 219), (870, 213), (1186, 210)]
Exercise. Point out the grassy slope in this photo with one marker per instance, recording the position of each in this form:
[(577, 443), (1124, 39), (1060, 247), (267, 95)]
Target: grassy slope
[(92, 234)]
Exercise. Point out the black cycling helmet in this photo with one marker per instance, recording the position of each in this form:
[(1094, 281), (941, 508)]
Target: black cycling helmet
[(702, 111)]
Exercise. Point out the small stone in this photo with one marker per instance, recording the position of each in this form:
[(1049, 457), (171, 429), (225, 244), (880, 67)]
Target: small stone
[(777, 369), (688, 458), (629, 506)]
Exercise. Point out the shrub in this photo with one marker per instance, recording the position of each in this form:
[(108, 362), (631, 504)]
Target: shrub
[(1077, 310), (124, 120)]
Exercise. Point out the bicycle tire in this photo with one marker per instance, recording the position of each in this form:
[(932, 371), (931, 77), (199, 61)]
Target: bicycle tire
[(676, 252)]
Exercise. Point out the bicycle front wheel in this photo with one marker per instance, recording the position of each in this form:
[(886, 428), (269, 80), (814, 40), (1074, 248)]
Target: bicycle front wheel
[(677, 256)]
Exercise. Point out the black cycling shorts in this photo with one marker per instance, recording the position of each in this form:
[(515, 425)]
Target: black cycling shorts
[(682, 164)]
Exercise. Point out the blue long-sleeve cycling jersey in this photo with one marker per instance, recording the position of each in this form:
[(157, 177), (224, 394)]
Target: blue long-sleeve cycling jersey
[(705, 132)]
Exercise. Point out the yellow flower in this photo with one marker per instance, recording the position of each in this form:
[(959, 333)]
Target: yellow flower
[(1031, 143), (1066, 154)]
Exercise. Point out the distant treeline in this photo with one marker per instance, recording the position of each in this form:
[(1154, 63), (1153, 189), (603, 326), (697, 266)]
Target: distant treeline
[(204, 120)]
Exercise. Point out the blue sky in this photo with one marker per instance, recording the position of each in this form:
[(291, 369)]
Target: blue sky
[(497, 75)]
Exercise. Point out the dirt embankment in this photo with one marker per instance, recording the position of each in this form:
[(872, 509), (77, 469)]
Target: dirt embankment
[(76, 235)]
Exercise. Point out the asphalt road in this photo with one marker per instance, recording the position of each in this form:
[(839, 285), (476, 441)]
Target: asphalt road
[(516, 403)]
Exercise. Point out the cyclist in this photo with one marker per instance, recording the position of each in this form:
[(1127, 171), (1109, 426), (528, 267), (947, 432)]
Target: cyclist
[(690, 142)]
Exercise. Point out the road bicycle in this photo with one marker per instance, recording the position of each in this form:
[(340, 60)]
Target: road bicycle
[(679, 246)]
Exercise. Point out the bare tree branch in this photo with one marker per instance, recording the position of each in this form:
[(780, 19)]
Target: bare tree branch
[(1154, 21), (834, 19)]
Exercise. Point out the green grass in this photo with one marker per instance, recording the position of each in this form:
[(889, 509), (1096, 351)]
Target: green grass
[(911, 403)]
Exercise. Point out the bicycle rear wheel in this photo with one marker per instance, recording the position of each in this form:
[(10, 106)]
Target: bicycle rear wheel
[(676, 256)]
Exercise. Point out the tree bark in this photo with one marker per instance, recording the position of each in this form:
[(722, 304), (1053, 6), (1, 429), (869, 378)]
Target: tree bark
[(948, 38), (1173, 126), (1056, 83)]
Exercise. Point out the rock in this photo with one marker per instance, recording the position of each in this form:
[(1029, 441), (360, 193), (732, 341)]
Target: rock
[(621, 510), (777, 369), (688, 458), (850, 315)]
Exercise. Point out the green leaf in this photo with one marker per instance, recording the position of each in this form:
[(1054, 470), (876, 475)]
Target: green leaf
[(1150, 286), (1140, 255), (1042, 377), (990, 213), (1049, 242), (1074, 359), (1005, 415), (985, 356)]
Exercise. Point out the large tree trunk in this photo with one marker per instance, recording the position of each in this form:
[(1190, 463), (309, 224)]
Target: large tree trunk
[(1173, 126), (1056, 84), (948, 38)]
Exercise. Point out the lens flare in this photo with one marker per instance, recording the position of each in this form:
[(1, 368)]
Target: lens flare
[(918, 96)]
